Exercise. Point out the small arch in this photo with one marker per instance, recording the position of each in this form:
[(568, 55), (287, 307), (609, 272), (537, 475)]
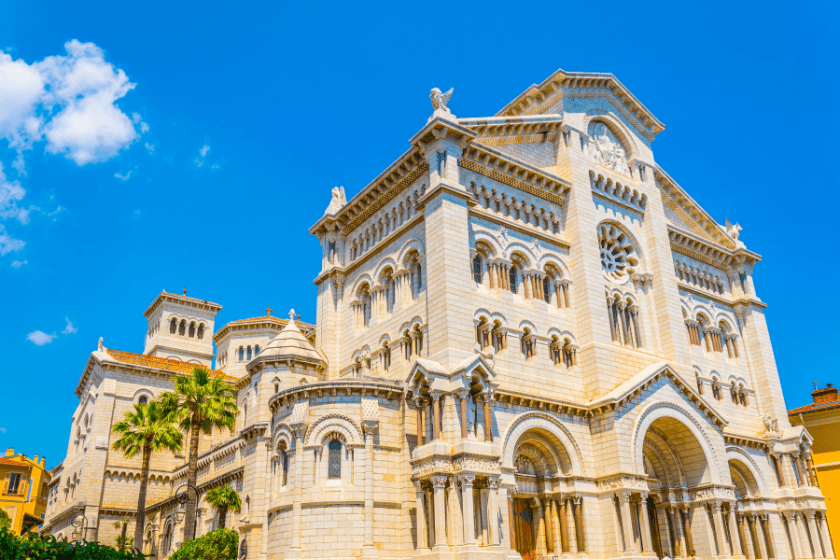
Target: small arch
[(201, 331), (192, 329), (182, 328), (173, 326)]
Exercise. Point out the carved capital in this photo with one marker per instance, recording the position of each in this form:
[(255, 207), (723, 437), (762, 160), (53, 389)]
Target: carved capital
[(438, 481), (466, 480)]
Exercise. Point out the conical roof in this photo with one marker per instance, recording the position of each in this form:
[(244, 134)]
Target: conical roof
[(290, 344)]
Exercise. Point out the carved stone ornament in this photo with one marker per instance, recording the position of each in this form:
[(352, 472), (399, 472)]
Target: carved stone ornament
[(714, 494), (624, 482), (440, 100), (432, 466), (606, 150), (339, 199), (476, 465)]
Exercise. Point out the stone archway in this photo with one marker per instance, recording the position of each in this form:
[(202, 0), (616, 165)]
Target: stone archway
[(545, 521)]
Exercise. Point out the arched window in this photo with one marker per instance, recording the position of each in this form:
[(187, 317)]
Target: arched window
[(386, 356), (547, 289), (143, 399), (256, 349), (249, 352), (284, 465), (716, 388), (173, 325), (476, 269), (241, 354), (482, 333), (192, 329), (513, 275), (182, 329), (334, 458), (201, 331)]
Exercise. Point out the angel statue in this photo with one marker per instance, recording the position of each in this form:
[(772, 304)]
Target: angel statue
[(439, 100), (338, 201)]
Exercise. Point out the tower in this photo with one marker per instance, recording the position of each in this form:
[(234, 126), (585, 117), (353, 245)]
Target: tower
[(181, 328)]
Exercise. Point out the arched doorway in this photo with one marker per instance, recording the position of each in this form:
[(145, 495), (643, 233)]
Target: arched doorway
[(665, 521), (547, 519)]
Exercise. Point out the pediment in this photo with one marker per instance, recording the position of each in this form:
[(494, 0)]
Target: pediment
[(635, 387)]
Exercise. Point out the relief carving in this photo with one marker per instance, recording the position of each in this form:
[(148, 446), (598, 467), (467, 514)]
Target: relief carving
[(606, 150)]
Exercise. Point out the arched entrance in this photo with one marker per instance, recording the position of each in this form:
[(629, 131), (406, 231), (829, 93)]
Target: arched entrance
[(666, 520), (546, 518)]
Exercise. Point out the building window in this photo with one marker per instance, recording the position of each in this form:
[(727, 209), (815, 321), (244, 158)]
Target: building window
[(386, 356), (143, 400), (513, 279), (256, 350), (182, 328), (335, 459), (173, 325), (249, 352), (192, 329), (241, 354), (200, 332), (12, 483), (477, 269), (547, 289)]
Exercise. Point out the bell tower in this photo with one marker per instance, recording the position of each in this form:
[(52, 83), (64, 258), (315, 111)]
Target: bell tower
[(181, 328)]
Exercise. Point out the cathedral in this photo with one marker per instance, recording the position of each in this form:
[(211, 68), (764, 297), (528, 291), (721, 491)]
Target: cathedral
[(531, 343)]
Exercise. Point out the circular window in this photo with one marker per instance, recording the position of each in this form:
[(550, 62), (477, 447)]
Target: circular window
[(618, 256)]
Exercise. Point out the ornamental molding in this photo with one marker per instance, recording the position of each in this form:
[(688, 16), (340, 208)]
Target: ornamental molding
[(617, 192), (622, 482), (476, 465), (715, 493), (435, 465)]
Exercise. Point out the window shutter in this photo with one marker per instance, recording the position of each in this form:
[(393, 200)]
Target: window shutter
[(6, 483)]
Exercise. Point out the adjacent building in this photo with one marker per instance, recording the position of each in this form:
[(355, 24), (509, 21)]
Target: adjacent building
[(820, 464), (25, 483), (530, 342)]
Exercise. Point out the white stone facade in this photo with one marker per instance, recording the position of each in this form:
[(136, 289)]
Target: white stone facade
[(530, 342)]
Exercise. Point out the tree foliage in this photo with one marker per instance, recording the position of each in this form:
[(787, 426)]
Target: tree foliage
[(220, 544), (32, 547), (5, 520), (199, 403), (223, 499)]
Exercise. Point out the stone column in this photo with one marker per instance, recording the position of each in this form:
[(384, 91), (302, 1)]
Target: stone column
[(580, 534), (676, 527), (733, 533), (796, 543), (644, 522), (467, 481), (294, 552), (572, 530), (764, 520), (550, 525), (826, 536), (539, 528), (436, 415), (815, 536), (456, 524), (439, 484), (749, 551), (689, 541), (554, 525), (779, 471), (564, 526), (761, 552), (493, 510), (464, 395), (627, 521), (421, 430), (511, 522), (720, 531), (368, 549), (669, 533), (422, 535)]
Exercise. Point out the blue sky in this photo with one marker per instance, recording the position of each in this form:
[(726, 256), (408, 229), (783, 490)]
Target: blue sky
[(186, 144)]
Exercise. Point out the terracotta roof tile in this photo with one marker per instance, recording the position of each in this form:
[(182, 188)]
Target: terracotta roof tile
[(815, 407), (166, 364)]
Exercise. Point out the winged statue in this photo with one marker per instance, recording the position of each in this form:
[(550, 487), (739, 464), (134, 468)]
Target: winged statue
[(439, 100)]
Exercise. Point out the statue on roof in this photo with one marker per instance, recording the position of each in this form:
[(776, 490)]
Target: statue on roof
[(439, 99), (101, 346), (733, 230), (292, 315), (338, 201)]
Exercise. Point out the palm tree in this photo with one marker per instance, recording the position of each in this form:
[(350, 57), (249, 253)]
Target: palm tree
[(123, 525), (223, 499), (145, 430), (199, 403)]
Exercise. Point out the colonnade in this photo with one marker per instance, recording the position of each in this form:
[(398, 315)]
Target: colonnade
[(624, 322), (557, 524), (429, 409)]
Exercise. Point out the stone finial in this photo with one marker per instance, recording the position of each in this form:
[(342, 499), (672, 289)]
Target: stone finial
[(101, 347), (439, 99), (339, 199), (292, 315)]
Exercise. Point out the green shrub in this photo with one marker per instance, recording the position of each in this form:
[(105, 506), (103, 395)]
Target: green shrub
[(32, 547), (221, 544)]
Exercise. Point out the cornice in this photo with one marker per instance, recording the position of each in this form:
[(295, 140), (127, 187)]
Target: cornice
[(384, 388), (387, 185), (510, 171), (536, 128), (183, 301), (561, 83), (617, 192), (704, 294), (268, 323), (517, 226)]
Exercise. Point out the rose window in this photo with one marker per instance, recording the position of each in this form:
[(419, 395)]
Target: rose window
[(618, 256)]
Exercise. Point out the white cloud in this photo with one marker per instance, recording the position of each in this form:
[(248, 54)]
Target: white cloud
[(150, 148), (10, 194), (69, 329), (18, 264), (202, 153), (9, 244), (2, 430), (40, 338), (124, 177)]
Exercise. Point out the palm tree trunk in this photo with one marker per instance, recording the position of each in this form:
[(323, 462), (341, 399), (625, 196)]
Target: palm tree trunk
[(122, 536), (141, 499), (222, 516), (192, 475)]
